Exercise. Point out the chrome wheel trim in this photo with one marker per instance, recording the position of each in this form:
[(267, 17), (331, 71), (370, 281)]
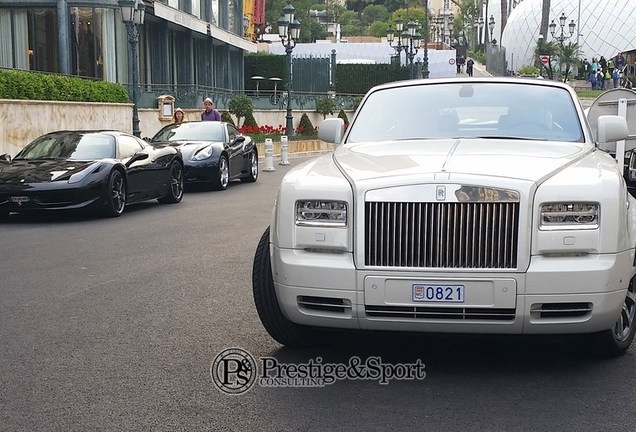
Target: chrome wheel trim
[(118, 192), (224, 172), (626, 321), (176, 180), (254, 165)]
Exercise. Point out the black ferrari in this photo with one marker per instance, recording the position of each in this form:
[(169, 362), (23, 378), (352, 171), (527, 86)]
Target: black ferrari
[(104, 170), (213, 152)]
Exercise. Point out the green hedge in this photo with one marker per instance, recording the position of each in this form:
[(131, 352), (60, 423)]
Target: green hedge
[(17, 84), (359, 78), (265, 65)]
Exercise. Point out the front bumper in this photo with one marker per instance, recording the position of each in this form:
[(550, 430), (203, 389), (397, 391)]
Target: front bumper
[(555, 295), (52, 196), (201, 171)]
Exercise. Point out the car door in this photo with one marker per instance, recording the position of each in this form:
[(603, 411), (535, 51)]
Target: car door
[(140, 177), (235, 150)]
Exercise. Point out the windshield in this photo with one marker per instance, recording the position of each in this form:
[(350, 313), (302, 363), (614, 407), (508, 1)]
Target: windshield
[(194, 131), (71, 146), (468, 110)]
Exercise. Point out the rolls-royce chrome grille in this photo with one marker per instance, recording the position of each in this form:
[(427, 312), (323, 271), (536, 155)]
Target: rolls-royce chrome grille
[(442, 235)]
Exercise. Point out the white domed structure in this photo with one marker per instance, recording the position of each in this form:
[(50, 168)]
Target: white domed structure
[(602, 28)]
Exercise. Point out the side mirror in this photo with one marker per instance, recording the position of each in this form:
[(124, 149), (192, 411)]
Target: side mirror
[(238, 139), (611, 128), (331, 130), (136, 157), (5, 157)]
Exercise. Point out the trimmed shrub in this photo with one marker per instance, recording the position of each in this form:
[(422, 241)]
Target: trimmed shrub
[(226, 117), (250, 120), (343, 116), (305, 127), (326, 106), (17, 84), (240, 106)]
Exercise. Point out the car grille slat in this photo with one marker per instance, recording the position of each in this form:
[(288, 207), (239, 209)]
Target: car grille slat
[(438, 313), (442, 235)]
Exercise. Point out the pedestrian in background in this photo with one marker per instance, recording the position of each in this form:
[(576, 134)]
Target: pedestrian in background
[(179, 116), (469, 67), (210, 114)]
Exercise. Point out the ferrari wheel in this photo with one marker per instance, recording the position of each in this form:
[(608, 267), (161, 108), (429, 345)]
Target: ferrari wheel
[(116, 201), (617, 340), (175, 192), (223, 175), (253, 173), (277, 325)]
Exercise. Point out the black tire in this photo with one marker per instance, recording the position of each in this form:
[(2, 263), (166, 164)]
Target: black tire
[(175, 192), (617, 340), (223, 175), (252, 176), (277, 325), (116, 200)]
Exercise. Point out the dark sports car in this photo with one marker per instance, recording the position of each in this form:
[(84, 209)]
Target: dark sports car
[(213, 152), (105, 170)]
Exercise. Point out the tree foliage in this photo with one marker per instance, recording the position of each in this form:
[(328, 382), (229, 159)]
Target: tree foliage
[(326, 106), (241, 106)]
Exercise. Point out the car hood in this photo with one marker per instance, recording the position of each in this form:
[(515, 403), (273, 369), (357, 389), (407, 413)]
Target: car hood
[(189, 148), (524, 160), (40, 171)]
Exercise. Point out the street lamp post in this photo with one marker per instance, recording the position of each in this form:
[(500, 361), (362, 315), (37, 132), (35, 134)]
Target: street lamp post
[(401, 42), (132, 12), (413, 45), (425, 72), (479, 28), (289, 31), (491, 28), (562, 20)]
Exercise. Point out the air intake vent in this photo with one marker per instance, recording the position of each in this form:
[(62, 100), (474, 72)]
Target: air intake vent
[(561, 310), (325, 304), (439, 313), (442, 235)]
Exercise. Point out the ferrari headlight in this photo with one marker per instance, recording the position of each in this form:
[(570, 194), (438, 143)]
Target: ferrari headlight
[(574, 215), (203, 153), (79, 176), (321, 213)]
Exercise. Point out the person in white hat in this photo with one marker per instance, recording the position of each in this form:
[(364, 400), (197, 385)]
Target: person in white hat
[(210, 113), (179, 116)]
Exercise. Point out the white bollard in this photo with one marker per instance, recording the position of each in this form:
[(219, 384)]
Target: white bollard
[(269, 155), (284, 150)]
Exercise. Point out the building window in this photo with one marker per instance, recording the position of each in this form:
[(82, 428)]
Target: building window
[(86, 42), (42, 42)]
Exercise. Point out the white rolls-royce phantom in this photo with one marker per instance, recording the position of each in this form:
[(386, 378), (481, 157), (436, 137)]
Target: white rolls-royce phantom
[(479, 205)]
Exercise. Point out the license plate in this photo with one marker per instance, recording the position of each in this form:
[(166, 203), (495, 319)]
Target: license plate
[(438, 293), (19, 199)]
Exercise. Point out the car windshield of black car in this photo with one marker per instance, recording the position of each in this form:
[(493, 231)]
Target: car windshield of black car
[(70, 145), (194, 131)]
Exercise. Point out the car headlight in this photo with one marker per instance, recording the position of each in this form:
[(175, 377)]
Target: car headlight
[(203, 153), (573, 215), (79, 176), (321, 213)]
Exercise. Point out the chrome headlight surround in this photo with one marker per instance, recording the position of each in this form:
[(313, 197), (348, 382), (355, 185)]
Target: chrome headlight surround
[(203, 154), (569, 215), (322, 213)]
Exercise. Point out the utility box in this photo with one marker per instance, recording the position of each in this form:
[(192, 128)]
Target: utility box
[(166, 107)]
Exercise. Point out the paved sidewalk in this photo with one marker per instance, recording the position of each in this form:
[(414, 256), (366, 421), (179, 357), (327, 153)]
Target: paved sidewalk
[(479, 70)]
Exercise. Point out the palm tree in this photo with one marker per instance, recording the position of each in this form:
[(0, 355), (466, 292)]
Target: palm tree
[(545, 18), (570, 57)]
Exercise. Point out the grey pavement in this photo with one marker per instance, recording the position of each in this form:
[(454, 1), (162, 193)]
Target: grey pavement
[(479, 70)]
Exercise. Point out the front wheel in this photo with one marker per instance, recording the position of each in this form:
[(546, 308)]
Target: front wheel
[(116, 200), (175, 191), (617, 340), (223, 175), (277, 325), (253, 173)]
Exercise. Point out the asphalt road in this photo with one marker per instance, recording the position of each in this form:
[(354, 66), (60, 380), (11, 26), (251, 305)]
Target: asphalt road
[(112, 324)]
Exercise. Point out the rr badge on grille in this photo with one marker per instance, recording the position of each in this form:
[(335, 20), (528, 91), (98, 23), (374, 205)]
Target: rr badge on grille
[(441, 193)]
